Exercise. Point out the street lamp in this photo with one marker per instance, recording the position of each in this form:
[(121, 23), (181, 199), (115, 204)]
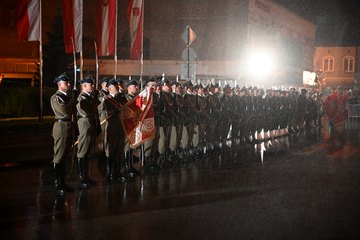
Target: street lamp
[(260, 64)]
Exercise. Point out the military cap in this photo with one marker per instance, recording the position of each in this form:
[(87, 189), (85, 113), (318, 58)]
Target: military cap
[(164, 81), (131, 82), (119, 81), (216, 85), (188, 84), (87, 79), (62, 77), (174, 83), (149, 79), (104, 79), (112, 81), (303, 90), (227, 86)]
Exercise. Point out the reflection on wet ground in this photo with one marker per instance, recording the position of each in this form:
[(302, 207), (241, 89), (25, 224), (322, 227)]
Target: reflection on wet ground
[(270, 183)]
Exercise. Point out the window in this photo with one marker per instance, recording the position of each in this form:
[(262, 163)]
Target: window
[(328, 64), (348, 65)]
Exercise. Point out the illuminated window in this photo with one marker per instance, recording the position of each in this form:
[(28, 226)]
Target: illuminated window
[(328, 64), (348, 64)]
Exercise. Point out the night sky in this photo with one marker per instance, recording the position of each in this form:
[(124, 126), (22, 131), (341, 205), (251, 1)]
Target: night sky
[(337, 21)]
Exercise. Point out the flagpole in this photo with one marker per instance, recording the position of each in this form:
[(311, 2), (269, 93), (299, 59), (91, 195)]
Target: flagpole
[(81, 50), (142, 44), (96, 66), (74, 60), (115, 53), (41, 67)]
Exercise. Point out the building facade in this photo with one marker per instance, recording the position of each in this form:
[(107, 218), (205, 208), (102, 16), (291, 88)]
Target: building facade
[(337, 65), (226, 33)]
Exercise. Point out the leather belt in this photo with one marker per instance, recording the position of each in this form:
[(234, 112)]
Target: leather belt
[(62, 120)]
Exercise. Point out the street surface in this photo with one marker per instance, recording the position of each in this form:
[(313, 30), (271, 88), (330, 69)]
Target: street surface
[(306, 186)]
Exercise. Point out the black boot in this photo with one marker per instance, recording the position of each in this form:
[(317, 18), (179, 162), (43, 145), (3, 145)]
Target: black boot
[(66, 187), (81, 170), (90, 182), (109, 176), (59, 188), (132, 172), (118, 177)]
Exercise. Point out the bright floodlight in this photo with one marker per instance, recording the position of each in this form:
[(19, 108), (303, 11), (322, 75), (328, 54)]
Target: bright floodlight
[(260, 63)]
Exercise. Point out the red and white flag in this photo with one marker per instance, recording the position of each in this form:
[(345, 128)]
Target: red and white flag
[(29, 20), (137, 118), (135, 12), (106, 26), (73, 24)]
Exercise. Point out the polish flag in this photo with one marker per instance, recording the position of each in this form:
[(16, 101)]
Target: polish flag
[(29, 20), (73, 24), (135, 13), (106, 15), (137, 118)]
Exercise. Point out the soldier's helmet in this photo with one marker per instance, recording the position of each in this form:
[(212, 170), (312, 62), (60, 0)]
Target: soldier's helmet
[(62, 77)]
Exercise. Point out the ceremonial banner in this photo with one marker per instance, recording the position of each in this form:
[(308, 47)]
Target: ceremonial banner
[(106, 22), (28, 25), (135, 12), (137, 118), (336, 107), (73, 24)]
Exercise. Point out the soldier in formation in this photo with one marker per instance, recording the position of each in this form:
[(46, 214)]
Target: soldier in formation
[(63, 105), (190, 122)]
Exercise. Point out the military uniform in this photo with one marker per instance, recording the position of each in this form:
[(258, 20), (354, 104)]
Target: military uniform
[(190, 113), (63, 106), (115, 136), (87, 124), (214, 117), (103, 115), (129, 151), (180, 117)]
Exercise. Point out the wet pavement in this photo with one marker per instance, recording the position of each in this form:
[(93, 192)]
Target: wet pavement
[(306, 186)]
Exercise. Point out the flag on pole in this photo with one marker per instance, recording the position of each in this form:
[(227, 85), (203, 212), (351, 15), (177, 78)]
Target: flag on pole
[(29, 20), (106, 20), (135, 13), (137, 118), (73, 24)]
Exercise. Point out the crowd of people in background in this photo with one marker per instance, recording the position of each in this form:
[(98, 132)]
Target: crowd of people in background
[(191, 121)]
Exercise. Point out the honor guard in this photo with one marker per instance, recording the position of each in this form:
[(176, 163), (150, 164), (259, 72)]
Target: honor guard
[(102, 111), (115, 135), (203, 116), (132, 90), (87, 122), (214, 114), (158, 106), (180, 115), (150, 157), (63, 105), (167, 119), (190, 113)]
